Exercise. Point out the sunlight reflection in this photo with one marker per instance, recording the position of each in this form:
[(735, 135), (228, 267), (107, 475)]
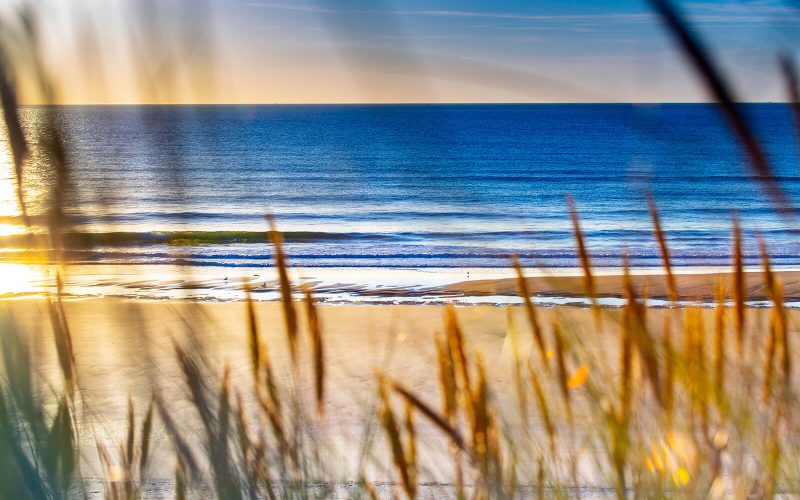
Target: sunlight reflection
[(21, 279), (10, 229), (9, 206)]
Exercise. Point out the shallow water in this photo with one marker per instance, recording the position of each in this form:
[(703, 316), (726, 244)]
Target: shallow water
[(372, 191)]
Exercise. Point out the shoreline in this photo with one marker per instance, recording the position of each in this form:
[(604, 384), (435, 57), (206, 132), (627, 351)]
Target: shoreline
[(417, 287)]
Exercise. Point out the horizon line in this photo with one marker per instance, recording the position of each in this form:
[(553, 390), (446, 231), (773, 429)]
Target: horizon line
[(420, 103)]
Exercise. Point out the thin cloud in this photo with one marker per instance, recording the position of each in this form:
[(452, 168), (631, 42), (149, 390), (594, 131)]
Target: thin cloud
[(755, 19), (705, 13), (622, 16), (527, 28), (758, 8), (294, 7), (789, 15)]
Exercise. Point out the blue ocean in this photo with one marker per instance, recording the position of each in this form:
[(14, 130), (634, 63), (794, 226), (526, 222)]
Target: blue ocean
[(409, 195)]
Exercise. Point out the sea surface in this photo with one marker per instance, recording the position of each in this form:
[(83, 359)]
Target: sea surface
[(391, 201)]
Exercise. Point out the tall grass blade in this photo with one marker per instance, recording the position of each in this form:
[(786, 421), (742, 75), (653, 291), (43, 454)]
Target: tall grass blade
[(447, 378), (390, 426), (184, 451), (459, 355), (719, 90), (63, 337), (739, 294), (661, 238), (789, 69), (774, 324), (533, 320), (181, 481), (289, 314), (16, 135), (317, 350), (254, 338), (719, 341), (129, 450), (561, 368), (586, 264), (147, 430), (637, 324), (411, 443), (429, 413)]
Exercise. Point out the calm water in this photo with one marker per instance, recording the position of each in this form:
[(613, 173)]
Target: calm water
[(448, 188)]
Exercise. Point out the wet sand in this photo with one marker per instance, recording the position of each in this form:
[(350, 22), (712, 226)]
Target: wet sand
[(691, 286)]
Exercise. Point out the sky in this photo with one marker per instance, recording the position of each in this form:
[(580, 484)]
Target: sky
[(381, 51)]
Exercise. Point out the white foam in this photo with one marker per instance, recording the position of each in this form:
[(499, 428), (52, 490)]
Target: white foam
[(332, 285)]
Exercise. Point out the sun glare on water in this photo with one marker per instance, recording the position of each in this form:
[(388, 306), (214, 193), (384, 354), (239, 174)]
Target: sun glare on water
[(9, 204), (21, 279), (14, 278)]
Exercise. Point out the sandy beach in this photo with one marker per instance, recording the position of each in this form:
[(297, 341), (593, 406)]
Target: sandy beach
[(126, 347), (699, 286)]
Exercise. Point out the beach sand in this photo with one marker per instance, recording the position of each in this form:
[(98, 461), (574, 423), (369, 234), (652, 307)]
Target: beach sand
[(699, 286), (126, 347)]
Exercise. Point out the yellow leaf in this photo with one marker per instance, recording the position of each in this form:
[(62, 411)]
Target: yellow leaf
[(578, 378), (681, 476)]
